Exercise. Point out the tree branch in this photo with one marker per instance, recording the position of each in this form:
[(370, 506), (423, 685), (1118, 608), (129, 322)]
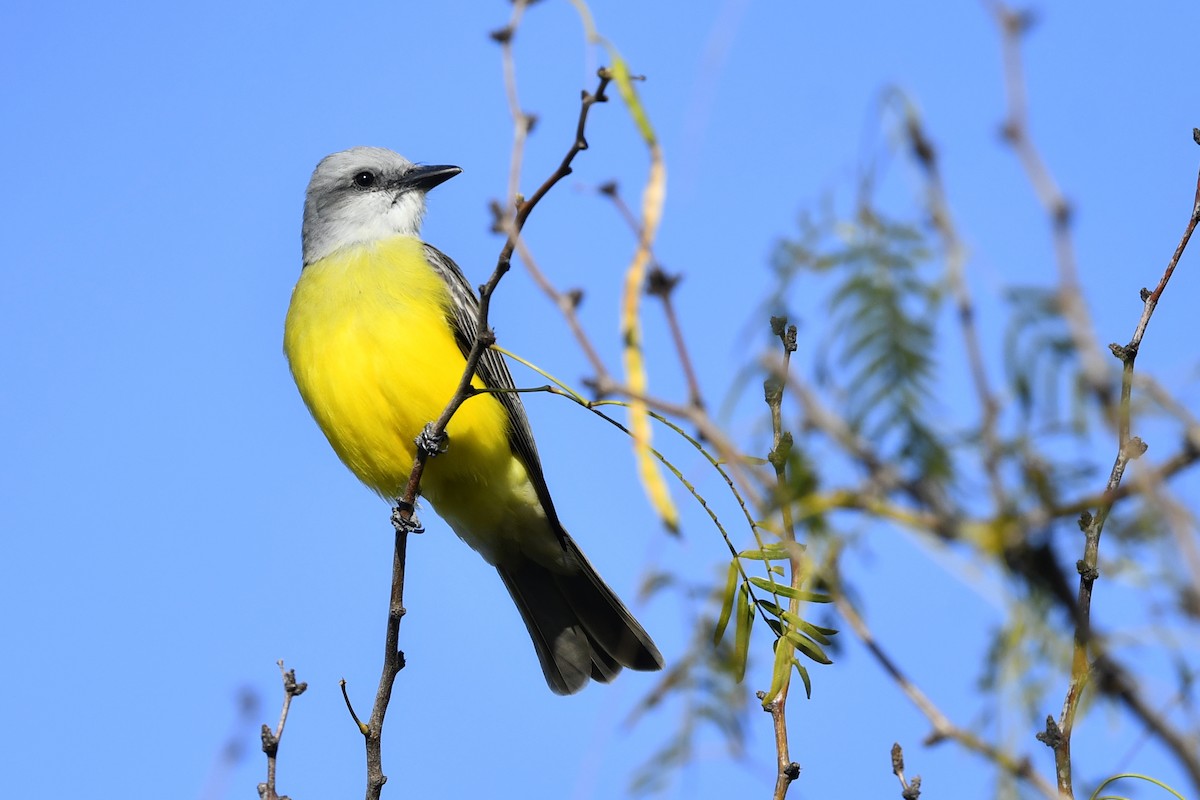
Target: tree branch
[(943, 728), (926, 155), (271, 738), (429, 442), (661, 285), (1129, 448), (781, 449), (909, 790), (1013, 27)]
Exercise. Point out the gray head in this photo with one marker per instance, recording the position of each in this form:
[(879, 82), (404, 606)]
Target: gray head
[(365, 194)]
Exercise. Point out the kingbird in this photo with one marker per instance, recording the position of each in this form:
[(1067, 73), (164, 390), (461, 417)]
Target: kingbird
[(376, 336)]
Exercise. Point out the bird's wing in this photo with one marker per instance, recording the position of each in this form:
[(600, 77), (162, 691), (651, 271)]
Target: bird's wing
[(493, 371)]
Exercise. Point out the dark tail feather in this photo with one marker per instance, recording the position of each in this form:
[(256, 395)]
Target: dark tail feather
[(580, 629)]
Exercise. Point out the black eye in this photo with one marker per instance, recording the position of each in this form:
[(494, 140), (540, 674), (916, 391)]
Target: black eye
[(364, 179)]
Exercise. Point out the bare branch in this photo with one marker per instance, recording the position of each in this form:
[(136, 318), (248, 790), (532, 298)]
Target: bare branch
[(393, 662), (568, 306), (1129, 448), (909, 790), (943, 728), (926, 156), (661, 285), (1013, 27), (271, 738), (522, 122)]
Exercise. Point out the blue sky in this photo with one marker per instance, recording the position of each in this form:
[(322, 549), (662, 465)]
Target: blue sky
[(174, 520)]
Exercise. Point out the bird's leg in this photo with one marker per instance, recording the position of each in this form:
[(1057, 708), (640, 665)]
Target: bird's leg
[(431, 444)]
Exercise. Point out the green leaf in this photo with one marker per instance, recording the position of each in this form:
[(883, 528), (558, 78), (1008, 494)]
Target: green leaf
[(741, 633), (811, 632), (814, 632), (804, 677), (769, 525), (769, 552), (807, 646), (726, 602), (780, 670), (783, 590)]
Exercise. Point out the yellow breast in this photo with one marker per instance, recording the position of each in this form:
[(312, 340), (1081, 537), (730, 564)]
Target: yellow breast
[(374, 356)]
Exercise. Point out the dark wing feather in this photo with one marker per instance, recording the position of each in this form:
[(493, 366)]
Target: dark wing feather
[(493, 372)]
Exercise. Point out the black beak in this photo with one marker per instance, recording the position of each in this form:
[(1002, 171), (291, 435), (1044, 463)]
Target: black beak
[(425, 178)]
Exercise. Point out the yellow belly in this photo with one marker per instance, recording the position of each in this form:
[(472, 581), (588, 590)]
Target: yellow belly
[(375, 360)]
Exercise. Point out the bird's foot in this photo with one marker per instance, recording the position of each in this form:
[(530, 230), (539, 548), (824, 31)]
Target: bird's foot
[(404, 519), (431, 444)]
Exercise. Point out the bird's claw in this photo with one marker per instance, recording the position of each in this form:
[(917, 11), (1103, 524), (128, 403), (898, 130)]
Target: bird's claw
[(406, 524), (431, 444)]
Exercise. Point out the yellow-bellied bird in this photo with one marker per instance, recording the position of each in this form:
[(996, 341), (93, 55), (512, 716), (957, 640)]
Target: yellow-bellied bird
[(376, 337)]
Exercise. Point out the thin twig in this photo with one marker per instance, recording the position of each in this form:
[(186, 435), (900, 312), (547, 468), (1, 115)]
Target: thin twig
[(779, 457), (566, 302), (1013, 26), (747, 477), (1144, 481), (562, 390), (909, 790), (362, 727), (568, 306), (1115, 681), (1129, 448), (1150, 299), (271, 738), (661, 285), (943, 728), (926, 156), (393, 662), (522, 122), (603, 383), (946, 519)]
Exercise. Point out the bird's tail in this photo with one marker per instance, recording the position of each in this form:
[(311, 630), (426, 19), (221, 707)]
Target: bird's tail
[(579, 627)]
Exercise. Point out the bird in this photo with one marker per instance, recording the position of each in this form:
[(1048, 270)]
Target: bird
[(376, 336)]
